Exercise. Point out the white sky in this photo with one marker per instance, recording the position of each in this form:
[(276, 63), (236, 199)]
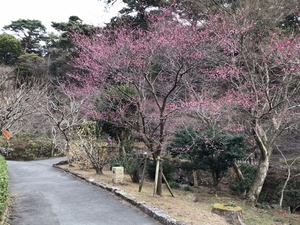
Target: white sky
[(94, 12)]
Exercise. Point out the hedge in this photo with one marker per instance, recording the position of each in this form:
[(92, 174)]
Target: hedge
[(3, 185)]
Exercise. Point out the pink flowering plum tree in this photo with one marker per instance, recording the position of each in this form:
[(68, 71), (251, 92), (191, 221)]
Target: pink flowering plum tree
[(234, 74), (139, 74), (260, 84)]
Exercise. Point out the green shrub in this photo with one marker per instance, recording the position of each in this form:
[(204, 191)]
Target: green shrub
[(3, 185), (174, 185), (168, 169), (187, 188), (248, 172), (28, 146), (132, 163), (208, 150)]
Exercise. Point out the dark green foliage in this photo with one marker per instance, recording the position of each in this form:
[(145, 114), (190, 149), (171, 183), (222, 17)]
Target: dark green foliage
[(3, 185), (290, 23), (248, 172), (10, 49), (30, 31), (187, 166), (31, 68), (187, 188), (135, 13), (174, 185), (29, 146), (132, 163), (208, 151), (60, 48), (74, 24), (168, 169)]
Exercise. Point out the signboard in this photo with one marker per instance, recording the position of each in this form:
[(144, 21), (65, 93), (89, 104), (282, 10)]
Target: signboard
[(6, 134)]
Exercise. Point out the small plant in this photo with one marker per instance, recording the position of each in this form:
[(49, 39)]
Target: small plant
[(174, 185), (168, 169), (132, 164), (231, 204), (27, 146), (187, 188), (244, 185)]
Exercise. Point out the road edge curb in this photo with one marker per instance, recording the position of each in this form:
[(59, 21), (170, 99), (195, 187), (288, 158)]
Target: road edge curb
[(152, 211)]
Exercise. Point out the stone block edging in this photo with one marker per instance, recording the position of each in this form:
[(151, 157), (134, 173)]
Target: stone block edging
[(151, 211)]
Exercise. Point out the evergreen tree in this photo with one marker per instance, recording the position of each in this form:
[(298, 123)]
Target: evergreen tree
[(31, 32), (10, 49), (208, 150)]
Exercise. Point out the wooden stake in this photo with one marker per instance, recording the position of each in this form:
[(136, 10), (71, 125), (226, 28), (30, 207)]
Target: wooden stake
[(168, 186), (156, 176), (143, 175)]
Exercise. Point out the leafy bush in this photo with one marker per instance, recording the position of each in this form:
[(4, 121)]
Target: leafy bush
[(132, 163), (209, 151), (248, 172), (28, 146), (174, 185), (3, 185), (168, 170), (187, 188)]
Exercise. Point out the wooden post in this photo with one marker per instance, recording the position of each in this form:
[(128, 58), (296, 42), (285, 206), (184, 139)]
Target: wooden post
[(156, 175), (143, 174), (168, 186)]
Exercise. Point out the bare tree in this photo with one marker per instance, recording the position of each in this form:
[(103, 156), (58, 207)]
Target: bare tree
[(16, 102), (289, 174), (64, 112)]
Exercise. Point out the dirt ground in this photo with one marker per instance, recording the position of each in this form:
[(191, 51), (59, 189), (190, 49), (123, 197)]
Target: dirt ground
[(193, 206)]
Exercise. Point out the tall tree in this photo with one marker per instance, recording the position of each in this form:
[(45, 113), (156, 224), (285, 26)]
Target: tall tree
[(248, 64), (64, 112), (136, 11), (10, 49), (60, 47), (74, 24), (31, 33), (16, 101), (152, 65), (259, 71)]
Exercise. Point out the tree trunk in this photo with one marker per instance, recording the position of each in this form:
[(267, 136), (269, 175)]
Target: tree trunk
[(99, 170), (159, 182), (156, 176), (259, 179), (265, 143), (238, 172), (195, 178)]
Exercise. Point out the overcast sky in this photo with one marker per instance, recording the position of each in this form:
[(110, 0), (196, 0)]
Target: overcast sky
[(93, 12)]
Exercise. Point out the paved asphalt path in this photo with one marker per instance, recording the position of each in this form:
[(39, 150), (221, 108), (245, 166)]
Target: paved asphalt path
[(44, 195)]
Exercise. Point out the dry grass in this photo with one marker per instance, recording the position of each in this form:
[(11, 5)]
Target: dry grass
[(193, 207)]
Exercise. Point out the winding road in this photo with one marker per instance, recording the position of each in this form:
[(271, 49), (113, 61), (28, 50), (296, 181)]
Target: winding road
[(44, 195)]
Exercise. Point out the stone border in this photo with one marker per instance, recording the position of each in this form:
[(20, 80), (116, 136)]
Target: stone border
[(154, 212)]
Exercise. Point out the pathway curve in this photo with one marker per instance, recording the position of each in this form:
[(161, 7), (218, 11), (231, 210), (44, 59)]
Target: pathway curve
[(44, 195)]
